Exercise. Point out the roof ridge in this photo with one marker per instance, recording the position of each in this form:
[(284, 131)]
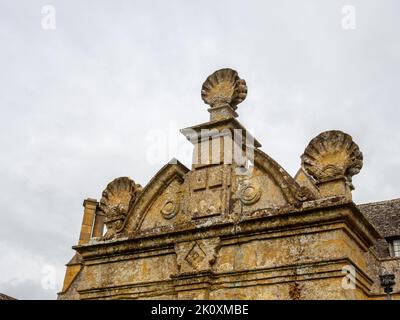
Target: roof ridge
[(6, 297), (379, 202)]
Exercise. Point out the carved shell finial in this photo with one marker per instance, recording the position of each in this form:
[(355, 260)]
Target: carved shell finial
[(116, 201), (224, 87), (332, 154)]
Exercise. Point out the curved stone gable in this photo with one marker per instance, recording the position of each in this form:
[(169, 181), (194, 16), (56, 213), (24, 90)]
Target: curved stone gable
[(236, 225)]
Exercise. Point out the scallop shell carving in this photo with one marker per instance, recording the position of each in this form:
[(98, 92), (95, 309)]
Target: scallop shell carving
[(332, 154), (116, 201), (224, 87)]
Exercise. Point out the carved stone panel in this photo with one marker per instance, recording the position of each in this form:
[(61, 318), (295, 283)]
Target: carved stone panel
[(199, 179), (208, 192), (198, 255), (215, 176), (206, 203)]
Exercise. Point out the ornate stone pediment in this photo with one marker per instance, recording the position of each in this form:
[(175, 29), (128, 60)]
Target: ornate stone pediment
[(217, 189), (160, 201), (234, 225)]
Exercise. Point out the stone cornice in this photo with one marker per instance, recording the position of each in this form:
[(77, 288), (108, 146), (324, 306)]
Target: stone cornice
[(315, 213)]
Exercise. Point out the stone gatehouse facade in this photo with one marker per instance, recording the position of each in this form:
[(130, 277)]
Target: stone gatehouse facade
[(236, 225)]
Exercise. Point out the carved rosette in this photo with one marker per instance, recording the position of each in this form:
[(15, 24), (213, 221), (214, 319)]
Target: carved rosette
[(170, 208), (116, 201), (249, 191), (331, 155), (224, 87)]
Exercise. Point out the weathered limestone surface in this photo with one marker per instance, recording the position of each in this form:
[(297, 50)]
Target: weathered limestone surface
[(234, 226)]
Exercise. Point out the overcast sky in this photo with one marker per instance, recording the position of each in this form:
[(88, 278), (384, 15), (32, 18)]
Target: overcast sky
[(109, 87)]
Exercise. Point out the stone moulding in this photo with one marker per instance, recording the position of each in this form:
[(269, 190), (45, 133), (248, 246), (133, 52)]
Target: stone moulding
[(262, 228), (214, 281), (256, 222), (193, 134)]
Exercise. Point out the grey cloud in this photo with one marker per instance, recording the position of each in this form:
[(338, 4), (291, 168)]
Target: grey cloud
[(78, 102)]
